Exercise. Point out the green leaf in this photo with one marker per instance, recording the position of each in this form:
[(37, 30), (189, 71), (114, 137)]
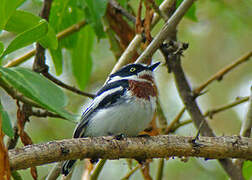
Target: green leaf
[(63, 14), (247, 170), (37, 88), (191, 13), (28, 37), (81, 56), (57, 59), (158, 2), (20, 21), (94, 11), (7, 8), (6, 123), (1, 48)]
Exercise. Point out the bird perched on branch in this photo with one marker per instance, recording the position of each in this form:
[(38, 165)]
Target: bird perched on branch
[(123, 106)]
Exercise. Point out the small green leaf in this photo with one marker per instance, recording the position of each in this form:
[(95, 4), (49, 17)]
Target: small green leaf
[(6, 123), (37, 88), (63, 14), (81, 56), (158, 2), (57, 59), (247, 170), (27, 37), (7, 8), (94, 11), (1, 48), (191, 13), (21, 21)]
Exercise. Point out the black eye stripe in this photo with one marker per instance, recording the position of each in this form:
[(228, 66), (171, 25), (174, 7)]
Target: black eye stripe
[(127, 70)]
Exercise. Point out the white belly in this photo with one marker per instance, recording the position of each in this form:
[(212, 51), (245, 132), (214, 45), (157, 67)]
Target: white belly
[(129, 119)]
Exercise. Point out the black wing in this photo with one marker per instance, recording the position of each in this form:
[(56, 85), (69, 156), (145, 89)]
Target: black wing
[(106, 96)]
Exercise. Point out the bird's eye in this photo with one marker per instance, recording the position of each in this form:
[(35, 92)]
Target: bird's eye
[(132, 69)]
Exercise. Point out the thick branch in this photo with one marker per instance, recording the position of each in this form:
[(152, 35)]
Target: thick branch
[(138, 147), (193, 109)]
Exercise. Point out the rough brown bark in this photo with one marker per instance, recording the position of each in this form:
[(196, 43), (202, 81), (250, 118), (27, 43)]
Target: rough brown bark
[(138, 148)]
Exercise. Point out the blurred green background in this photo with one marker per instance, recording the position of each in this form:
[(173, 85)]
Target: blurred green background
[(221, 34)]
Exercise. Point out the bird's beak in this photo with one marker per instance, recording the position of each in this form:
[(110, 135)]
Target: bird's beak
[(153, 66)]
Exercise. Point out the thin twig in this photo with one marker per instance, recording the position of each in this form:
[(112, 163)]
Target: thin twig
[(21, 59), (54, 172), (38, 113), (162, 14), (71, 88), (94, 175), (212, 112), (175, 121), (167, 29), (45, 12), (66, 32), (145, 170), (219, 75), (132, 171), (70, 30), (128, 53), (160, 169), (183, 123), (121, 10)]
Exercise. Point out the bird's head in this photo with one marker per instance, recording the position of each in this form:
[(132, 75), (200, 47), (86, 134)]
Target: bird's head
[(134, 72)]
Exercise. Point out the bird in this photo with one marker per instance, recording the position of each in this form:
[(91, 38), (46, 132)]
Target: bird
[(123, 106)]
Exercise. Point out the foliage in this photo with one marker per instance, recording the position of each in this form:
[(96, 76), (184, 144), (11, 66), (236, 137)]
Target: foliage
[(6, 123)]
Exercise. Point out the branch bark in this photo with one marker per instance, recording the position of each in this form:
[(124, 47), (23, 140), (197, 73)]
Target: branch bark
[(194, 110), (136, 147)]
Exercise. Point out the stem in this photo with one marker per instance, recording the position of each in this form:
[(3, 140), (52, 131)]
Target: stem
[(160, 169), (97, 170), (219, 75)]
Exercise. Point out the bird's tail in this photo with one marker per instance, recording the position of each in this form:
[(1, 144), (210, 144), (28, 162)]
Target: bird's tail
[(67, 167)]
